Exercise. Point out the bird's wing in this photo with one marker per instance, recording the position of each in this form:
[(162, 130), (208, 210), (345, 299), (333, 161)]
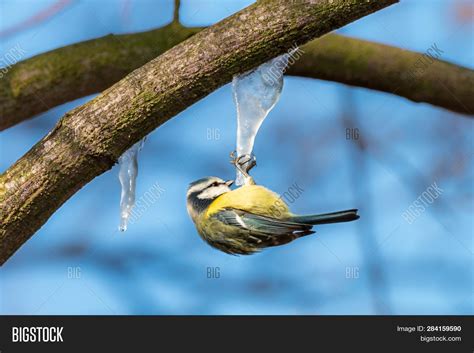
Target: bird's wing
[(259, 225)]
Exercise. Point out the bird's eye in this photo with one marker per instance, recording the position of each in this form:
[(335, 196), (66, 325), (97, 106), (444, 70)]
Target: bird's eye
[(215, 183)]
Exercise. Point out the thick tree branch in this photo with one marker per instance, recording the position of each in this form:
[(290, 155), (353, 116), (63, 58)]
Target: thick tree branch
[(47, 80), (42, 82), (384, 68), (88, 140)]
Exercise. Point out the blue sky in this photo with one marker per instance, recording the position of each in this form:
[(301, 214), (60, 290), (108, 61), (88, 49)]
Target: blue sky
[(159, 266)]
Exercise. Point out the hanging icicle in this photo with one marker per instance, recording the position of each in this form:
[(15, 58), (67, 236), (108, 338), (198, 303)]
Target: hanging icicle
[(128, 176), (255, 93)]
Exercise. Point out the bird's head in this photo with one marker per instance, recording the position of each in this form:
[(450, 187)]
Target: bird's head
[(202, 192)]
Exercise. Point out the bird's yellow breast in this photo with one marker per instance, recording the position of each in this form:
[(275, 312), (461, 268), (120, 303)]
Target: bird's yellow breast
[(251, 198)]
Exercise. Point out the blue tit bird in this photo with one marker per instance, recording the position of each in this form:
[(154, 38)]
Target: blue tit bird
[(250, 218)]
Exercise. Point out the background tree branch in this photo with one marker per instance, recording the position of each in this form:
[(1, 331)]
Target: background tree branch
[(56, 77), (88, 140), (44, 81), (415, 76)]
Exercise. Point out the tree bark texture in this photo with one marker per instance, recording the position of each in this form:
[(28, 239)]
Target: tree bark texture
[(88, 140), (59, 76)]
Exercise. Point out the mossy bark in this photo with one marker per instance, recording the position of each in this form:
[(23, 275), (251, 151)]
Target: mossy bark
[(416, 76), (59, 76), (62, 75), (88, 140)]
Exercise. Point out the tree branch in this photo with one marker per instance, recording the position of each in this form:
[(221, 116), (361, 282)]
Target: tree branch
[(42, 82), (177, 4), (384, 68), (88, 140), (56, 77)]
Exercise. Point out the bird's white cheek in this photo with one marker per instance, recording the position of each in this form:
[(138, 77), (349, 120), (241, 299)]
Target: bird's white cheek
[(212, 193)]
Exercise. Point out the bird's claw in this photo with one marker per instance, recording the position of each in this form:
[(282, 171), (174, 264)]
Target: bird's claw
[(244, 162)]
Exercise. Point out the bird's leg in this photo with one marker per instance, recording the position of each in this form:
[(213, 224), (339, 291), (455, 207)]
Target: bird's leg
[(246, 162), (243, 164)]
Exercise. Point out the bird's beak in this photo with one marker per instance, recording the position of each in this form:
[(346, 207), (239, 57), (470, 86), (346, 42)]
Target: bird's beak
[(229, 182)]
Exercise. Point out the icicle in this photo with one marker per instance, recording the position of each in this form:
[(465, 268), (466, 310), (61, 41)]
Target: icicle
[(128, 177), (255, 93)]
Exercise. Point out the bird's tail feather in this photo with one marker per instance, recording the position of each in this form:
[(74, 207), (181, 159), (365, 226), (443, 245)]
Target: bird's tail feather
[(334, 217)]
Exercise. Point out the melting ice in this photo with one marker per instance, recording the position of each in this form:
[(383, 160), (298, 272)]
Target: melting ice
[(128, 176), (255, 93)]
